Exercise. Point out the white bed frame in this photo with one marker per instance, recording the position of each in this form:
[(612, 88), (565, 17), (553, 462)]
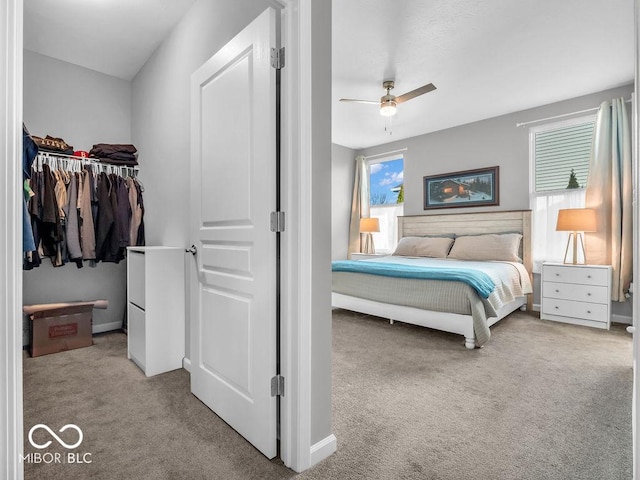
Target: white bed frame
[(459, 224)]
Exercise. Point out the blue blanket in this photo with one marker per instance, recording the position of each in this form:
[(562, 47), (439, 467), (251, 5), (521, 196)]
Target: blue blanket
[(477, 279)]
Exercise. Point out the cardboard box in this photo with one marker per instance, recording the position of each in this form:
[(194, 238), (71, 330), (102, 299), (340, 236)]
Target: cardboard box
[(59, 329)]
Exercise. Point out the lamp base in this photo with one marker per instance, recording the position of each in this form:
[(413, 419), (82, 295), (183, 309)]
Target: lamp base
[(574, 259), (367, 244)]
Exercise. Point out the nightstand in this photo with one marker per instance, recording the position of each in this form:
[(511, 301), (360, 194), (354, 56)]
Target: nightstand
[(367, 256), (578, 294)]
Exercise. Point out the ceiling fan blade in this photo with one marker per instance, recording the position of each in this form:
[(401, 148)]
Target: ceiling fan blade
[(359, 101), (415, 93)]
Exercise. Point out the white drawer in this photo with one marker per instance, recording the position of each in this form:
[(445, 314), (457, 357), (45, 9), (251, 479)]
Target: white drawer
[(581, 275), (136, 335), (566, 308), (569, 291), (136, 273)]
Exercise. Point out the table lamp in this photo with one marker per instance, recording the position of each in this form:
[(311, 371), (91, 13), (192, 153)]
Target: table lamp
[(368, 225), (576, 220)]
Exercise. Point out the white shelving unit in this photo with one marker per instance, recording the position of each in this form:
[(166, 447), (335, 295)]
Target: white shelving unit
[(156, 308)]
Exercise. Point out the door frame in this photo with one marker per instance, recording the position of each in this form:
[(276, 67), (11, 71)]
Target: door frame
[(11, 424), (300, 149)]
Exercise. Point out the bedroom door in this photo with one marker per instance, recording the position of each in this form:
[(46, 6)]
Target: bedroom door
[(233, 192)]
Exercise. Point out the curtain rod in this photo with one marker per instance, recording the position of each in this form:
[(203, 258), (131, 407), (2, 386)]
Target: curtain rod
[(522, 124), (385, 154)]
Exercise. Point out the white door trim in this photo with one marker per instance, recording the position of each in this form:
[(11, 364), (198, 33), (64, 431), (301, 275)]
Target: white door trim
[(295, 361), (11, 241), (296, 449)]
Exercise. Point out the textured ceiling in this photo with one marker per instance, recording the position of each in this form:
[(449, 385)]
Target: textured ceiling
[(486, 58), (115, 37)]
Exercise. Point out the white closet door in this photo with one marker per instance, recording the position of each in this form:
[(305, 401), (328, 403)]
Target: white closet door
[(233, 298)]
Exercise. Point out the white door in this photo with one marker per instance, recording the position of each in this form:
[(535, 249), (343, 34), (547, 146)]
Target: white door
[(233, 183)]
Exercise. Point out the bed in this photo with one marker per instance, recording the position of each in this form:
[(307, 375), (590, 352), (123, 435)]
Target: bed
[(451, 294)]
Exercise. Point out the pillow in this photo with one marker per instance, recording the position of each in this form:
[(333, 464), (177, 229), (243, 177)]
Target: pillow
[(503, 246), (437, 247)]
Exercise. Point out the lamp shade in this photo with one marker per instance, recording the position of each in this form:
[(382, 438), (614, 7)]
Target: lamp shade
[(368, 225), (576, 220)]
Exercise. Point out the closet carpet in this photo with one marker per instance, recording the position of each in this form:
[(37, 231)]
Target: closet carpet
[(541, 400)]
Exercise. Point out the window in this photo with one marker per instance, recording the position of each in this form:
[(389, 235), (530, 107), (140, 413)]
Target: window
[(386, 197), (559, 157)]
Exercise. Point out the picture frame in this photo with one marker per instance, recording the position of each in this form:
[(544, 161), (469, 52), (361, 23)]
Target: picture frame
[(467, 188)]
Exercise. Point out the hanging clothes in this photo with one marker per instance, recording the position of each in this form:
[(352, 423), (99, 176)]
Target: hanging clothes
[(136, 212), (87, 226), (72, 225), (29, 152), (79, 215)]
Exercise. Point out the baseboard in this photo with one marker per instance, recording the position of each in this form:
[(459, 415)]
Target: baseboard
[(106, 327), (624, 319), (186, 364), (322, 449), (536, 307)]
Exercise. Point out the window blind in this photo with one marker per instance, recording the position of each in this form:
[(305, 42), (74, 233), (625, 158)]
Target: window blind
[(560, 150)]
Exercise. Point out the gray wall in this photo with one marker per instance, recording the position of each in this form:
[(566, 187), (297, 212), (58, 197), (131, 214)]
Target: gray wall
[(342, 170), (160, 130), (495, 141), (83, 107), (161, 114)]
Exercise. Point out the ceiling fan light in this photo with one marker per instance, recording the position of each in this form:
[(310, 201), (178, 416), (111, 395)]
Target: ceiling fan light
[(388, 109)]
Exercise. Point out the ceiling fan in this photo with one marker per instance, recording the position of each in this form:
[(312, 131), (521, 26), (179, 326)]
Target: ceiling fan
[(388, 102)]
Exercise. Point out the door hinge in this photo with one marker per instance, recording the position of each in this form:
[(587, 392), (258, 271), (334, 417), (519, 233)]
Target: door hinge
[(277, 386), (277, 222), (277, 58)]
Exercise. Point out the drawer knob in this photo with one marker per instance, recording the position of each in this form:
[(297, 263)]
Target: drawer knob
[(588, 294), (588, 276), (557, 291), (557, 274), (588, 311), (556, 307)]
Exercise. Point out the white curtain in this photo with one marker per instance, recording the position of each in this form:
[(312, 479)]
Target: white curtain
[(359, 205), (609, 192), (550, 245), (387, 238)]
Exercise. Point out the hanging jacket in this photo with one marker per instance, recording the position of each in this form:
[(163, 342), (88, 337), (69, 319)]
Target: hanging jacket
[(105, 216), (72, 225), (87, 230)]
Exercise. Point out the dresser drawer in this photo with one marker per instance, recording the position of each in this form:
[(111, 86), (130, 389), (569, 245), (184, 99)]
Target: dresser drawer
[(569, 291), (579, 275), (136, 335), (567, 308), (136, 278)]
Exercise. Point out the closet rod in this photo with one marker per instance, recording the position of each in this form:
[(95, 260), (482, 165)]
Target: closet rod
[(522, 124), (85, 159)]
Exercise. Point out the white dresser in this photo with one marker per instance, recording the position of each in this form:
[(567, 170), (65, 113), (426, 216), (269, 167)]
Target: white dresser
[(579, 294), (155, 308)]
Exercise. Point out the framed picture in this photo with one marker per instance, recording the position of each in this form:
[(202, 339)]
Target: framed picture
[(470, 188)]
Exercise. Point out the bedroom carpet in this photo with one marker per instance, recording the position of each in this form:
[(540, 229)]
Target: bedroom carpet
[(541, 400)]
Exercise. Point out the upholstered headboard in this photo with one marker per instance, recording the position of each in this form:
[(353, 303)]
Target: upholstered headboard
[(472, 224)]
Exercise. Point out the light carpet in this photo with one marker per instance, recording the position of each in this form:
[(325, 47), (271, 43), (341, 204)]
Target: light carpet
[(541, 400)]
